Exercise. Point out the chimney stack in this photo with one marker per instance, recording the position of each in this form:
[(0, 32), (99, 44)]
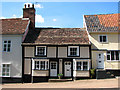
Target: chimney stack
[(29, 12)]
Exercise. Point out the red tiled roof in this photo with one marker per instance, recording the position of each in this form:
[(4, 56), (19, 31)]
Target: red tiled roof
[(14, 26), (102, 23), (59, 36)]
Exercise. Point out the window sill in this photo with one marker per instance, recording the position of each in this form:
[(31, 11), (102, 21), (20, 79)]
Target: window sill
[(82, 70), (103, 42), (40, 70), (4, 76), (112, 60), (73, 56), (41, 55)]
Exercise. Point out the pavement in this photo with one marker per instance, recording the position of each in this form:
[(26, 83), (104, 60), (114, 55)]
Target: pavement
[(89, 83)]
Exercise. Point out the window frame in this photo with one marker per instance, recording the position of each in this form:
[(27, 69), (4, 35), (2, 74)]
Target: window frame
[(82, 69), (114, 55), (78, 51), (5, 69), (102, 38), (45, 53), (46, 65), (7, 46)]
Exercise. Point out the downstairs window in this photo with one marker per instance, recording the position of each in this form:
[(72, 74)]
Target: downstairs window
[(113, 55)]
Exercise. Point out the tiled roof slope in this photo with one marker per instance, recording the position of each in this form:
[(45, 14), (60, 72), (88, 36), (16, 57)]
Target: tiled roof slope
[(102, 23), (14, 26), (57, 36)]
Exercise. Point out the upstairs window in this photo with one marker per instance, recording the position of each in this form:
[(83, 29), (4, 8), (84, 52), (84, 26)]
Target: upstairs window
[(113, 55), (102, 38), (7, 46), (5, 70), (41, 50), (73, 51)]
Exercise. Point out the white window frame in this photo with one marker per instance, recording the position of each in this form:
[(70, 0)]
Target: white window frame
[(73, 47), (114, 56), (5, 70), (37, 51), (102, 37), (7, 46), (82, 65), (40, 65)]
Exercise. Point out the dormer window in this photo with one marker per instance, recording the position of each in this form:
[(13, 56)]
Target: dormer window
[(102, 38), (73, 51), (41, 50)]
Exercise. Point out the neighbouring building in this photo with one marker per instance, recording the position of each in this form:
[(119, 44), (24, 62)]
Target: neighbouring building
[(13, 32), (52, 51), (104, 35)]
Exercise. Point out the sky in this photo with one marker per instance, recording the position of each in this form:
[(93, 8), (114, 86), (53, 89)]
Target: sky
[(59, 14)]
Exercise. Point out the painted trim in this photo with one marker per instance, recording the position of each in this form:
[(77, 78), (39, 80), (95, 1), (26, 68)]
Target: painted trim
[(102, 36), (40, 55), (68, 50), (23, 54)]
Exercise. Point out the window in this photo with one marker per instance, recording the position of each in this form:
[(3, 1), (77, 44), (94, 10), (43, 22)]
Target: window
[(6, 46), (113, 55), (41, 65), (73, 51), (6, 70), (82, 65), (53, 65), (79, 65), (103, 38), (41, 50)]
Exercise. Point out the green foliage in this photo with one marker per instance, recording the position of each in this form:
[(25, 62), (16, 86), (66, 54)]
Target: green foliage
[(92, 72), (60, 74)]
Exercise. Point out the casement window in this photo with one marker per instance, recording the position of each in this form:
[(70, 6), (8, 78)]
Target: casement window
[(73, 50), (7, 46), (41, 65), (113, 55), (82, 65), (103, 38), (41, 50), (6, 70)]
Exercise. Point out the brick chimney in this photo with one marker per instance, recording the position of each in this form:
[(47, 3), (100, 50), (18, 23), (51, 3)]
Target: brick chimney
[(29, 12)]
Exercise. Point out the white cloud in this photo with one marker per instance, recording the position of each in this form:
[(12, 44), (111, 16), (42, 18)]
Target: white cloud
[(2, 18), (38, 6), (54, 20), (14, 16), (39, 18)]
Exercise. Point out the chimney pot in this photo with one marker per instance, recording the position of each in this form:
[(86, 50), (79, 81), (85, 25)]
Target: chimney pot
[(25, 5), (28, 5), (32, 5)]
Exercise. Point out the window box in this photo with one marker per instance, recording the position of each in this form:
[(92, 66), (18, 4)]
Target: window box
[(73, 51), (40, 51)]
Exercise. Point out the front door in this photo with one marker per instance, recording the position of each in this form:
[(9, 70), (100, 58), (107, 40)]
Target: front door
[(100, 61), (67, 69), (53, 68)]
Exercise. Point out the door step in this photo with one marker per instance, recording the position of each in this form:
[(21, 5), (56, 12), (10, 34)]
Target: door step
[(59, 80)]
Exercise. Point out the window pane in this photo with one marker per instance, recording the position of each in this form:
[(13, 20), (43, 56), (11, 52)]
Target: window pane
[(73, 51), (101, 39), (112, 55), (85, 65), (104, 39), (117, 55), (5, 41), (7, 74), (3, 65), (78, 65), (9, 41), (108, 57)]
